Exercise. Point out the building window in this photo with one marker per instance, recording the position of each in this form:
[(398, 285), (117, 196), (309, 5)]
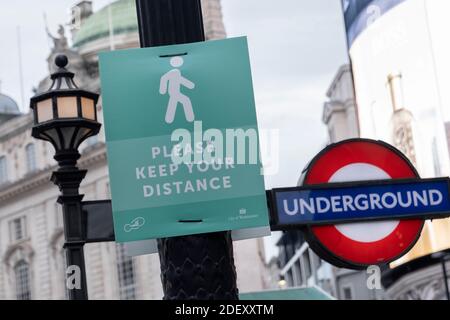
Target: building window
[(300, 274), (347, 293), (58, 216), (3, 170), (317, 260), (296, 274), (289, 278), (125, 270), (22, 274), (307, 264), (31, 157), (63, 262), (17, 229)]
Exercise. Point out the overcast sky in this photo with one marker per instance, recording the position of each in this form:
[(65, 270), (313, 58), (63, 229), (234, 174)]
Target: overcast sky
[(296, 47)]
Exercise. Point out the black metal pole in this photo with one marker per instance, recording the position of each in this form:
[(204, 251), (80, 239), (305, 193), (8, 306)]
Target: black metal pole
[(444, 271), (68, 179), (197, 267)]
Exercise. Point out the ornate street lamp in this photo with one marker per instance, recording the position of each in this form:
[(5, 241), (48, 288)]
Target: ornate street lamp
[(66, 116)]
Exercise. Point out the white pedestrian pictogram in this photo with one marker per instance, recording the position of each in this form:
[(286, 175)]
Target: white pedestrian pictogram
[(171, 83)]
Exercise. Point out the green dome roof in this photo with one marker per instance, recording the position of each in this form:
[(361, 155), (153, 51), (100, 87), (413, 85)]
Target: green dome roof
[(95, 27)]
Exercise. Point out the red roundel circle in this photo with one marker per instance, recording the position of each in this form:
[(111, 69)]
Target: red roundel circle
[(357, 245)]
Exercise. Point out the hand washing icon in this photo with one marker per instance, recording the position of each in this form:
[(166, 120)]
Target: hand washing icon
[(134, 225)]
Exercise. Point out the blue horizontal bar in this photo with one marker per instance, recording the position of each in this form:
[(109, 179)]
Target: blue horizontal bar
[(361, 201)]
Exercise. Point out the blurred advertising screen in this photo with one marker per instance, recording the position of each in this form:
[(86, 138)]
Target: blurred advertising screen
[(401, 68)]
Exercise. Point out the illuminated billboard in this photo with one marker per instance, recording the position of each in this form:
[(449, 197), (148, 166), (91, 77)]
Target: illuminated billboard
[(401, 67), (359, 14)]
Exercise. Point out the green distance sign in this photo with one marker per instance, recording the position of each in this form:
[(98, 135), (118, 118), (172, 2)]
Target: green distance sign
[(182, 140)]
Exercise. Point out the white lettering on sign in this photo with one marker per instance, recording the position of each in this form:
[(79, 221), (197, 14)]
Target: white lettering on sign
[(179, 187), (362, 202)]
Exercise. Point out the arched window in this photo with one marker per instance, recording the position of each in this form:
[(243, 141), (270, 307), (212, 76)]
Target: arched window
[(22, 275), (3, 170), (125, 272), (31, 157)]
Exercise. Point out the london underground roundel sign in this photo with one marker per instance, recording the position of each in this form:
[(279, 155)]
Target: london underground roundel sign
[(360, 244)]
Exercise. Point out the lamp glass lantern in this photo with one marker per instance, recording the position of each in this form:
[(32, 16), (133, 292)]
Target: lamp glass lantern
[(64, 115)]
